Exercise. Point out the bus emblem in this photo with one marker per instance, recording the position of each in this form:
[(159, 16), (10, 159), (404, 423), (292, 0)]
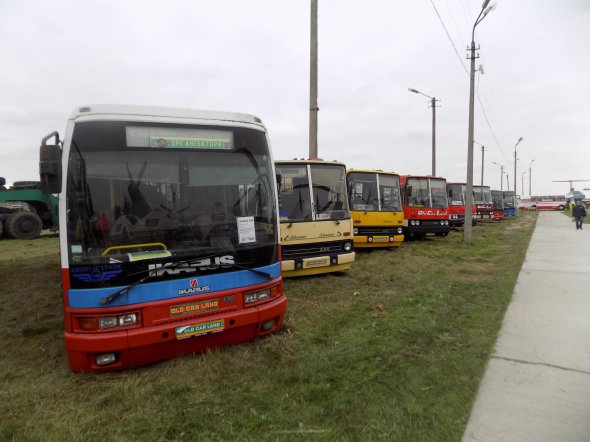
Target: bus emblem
[(194, 283)]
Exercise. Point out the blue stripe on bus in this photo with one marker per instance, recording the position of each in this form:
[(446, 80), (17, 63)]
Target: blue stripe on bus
[(157, 291)]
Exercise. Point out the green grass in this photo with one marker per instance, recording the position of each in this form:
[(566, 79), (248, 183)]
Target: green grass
[(392, 350)]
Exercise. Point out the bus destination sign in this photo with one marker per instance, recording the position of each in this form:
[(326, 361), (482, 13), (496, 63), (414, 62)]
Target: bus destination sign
[(190, 143)]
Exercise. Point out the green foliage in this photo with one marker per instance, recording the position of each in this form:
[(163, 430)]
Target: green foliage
[(392, 350)]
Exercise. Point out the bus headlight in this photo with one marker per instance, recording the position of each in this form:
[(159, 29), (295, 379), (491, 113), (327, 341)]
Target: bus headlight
[(117, 321), (347, 246), (355, 231), (259, 295), (442, 223), (399, 230)]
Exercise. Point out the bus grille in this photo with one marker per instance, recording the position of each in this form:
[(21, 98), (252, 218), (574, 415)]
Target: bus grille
[(376, 231), (311, 250)]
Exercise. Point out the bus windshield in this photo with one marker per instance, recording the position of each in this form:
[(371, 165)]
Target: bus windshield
[(324, 200), (509, 199), (482, 195), (498, 200), (426, 192), (456, 194), (371, 192), (139, 191)]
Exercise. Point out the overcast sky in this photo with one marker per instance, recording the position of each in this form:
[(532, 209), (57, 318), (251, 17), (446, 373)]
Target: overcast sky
[(253, 57)]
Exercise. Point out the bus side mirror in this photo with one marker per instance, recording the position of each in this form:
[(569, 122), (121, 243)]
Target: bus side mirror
[(279, 178), (50, 165)]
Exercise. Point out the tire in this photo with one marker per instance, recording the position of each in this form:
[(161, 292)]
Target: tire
[(1, 229), (23, 225)]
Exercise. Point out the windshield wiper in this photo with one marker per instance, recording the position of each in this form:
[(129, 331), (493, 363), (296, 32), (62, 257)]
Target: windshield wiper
[(320, 210), (258, 272), (299, 205), (153, 273)]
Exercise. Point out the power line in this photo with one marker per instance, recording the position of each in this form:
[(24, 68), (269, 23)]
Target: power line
[(449, 37), (467, 72)]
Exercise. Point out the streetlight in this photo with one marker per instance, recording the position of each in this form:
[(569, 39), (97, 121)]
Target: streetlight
[(530, 175), (483, 148), (501, 173), (508, 183), (433, 101), (313, 81), (468, 229), (517, 143)]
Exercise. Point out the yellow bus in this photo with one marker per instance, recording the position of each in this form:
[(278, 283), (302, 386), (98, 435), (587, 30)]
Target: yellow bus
[(316, 229), (376, 208)]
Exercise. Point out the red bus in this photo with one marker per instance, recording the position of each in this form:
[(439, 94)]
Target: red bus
[(456, 197), (498, 203), (425, 204), (482, 197), (169, 234)]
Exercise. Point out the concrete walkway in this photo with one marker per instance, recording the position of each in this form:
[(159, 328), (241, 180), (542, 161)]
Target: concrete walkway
[(537, 382)]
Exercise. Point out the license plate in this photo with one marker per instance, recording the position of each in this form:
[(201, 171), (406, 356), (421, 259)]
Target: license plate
[(316, 263), (381, 239), (202, 328)]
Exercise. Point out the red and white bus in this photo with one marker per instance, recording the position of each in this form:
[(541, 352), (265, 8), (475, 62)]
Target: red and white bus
[(425, 204), (169, 233), (543, 202)]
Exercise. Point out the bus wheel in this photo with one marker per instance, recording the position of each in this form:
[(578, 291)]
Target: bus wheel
[(23, 225), (561, 207), (1, 229)]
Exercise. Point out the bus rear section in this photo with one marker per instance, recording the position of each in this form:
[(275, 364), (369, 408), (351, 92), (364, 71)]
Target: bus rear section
[(376, 208), (316, 228), (509, 203), (425, 205), (169, 233), (498, 203), (482, 197), (456, 198)]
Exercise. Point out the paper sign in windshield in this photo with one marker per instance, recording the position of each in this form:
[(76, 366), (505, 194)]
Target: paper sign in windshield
[(246, 229)]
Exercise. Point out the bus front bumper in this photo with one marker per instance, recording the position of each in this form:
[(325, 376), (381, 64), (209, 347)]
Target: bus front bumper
[(317, 265), (146, 345), (374, 241)]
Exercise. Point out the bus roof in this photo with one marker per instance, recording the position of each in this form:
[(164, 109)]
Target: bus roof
[(304, 161), (371, 171), (158, 114), (405, 177)]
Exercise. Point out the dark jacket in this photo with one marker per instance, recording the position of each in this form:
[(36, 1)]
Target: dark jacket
[(579, 211)]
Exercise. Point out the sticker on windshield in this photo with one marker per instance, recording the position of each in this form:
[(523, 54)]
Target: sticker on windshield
[(246, 230)]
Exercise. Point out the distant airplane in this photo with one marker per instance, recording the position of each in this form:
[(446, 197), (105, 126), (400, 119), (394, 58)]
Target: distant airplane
[(571, 181)]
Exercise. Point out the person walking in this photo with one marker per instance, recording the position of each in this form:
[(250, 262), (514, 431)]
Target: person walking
[(579, 213)]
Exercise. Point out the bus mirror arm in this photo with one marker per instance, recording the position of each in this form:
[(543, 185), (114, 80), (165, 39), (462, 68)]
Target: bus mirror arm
[(50, 164)]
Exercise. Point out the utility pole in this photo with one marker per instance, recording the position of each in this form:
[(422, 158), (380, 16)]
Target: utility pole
[(501, 173), (433, 104), (468, 228), (522, 182), (433, 101), (508, 184), (313, 83), (530, 176), (482, 159), (517, 143)]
